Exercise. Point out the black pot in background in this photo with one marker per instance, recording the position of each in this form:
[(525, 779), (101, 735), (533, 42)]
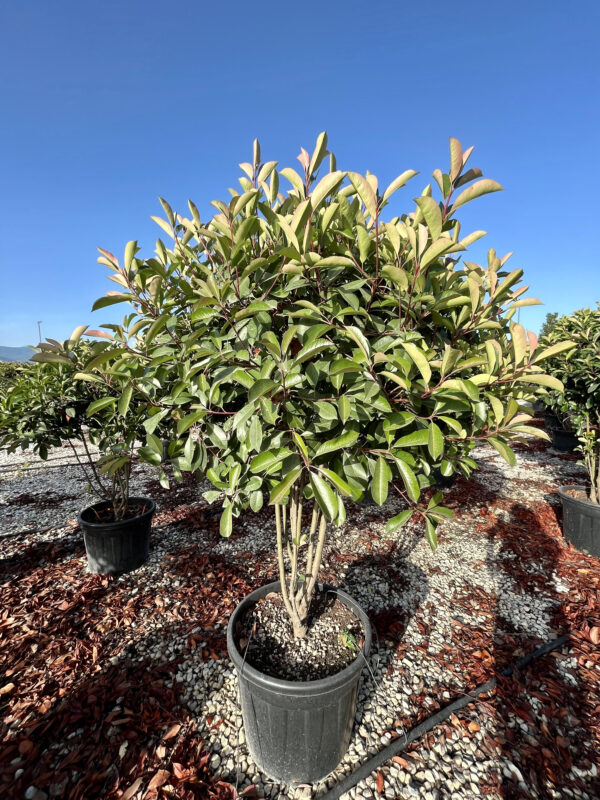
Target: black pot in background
[(297, 731), (581, 521), (116, 547), (565, 441)]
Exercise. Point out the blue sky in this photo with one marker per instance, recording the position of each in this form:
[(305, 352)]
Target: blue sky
[(106, 106)]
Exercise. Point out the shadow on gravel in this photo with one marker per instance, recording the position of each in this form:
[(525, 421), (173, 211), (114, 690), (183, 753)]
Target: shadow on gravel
[(80, 718), (35, 555)]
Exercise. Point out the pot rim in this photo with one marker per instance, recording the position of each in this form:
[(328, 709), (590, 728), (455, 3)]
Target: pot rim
[(108, 525), (562, 491), (299, 688)]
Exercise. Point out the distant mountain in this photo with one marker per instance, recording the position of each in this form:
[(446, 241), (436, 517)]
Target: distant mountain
[(15, 353)]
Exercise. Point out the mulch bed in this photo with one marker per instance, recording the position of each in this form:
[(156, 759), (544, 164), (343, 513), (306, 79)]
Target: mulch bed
[(81, 719)]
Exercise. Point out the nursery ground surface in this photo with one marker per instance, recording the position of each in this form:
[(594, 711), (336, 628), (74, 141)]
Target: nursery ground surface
[(121, 687)]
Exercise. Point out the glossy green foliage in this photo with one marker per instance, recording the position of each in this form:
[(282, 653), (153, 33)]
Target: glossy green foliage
[(573, 345), (306, 336)]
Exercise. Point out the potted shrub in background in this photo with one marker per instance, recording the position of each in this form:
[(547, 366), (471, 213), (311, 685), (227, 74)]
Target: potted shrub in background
[(54, 402), (307, 350), (579, 370)]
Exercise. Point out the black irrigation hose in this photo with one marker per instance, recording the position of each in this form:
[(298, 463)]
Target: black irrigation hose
[(402, 743)]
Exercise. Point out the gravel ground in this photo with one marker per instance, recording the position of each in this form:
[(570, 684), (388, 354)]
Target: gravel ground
[(501, 582)]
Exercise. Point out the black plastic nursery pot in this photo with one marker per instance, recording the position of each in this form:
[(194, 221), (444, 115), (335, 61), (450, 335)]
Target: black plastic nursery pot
[(566, 441), (581, 520), (116, 547), (297, 731)]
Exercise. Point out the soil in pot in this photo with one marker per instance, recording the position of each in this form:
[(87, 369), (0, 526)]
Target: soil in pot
[(106, 514), (334, 639)]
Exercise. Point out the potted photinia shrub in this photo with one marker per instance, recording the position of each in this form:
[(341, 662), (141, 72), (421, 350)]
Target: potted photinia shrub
[(579, 370), (309, 348), (63, 399)]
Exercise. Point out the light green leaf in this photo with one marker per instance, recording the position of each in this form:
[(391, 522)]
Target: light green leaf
[(98, 405), (504, 450), (380, 483), (435, 444), (124, 401), (414, 439), (324, 495), (365, 192), (398, 521), (420, 360), (340, 484), (283, 487), (398, 183), (477, 189), (432, 213), (554, 350), (347, 439), (410, 480), (226, 522)]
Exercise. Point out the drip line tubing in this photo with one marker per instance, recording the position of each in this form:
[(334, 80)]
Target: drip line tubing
[(400, 744)]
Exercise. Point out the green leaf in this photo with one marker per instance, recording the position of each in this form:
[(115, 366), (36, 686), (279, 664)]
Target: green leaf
[(267, 460), (504, 450), (365, 192), (456, 158), (326, 410), (325, 187), (410, 480), (347, 439), (398, 183), (554, 350), (519, 343), (430, 533), (414, 439), (435, 443), (549, 381), (419, 358), (283, 487), (124, 401), (103, 302), (311, 350), (477, 189), (324, 495), (260, 388), (255, 433), (433, 215), (98, 405), (435, 251), (340, 484), (187, 421), (226, 522), (361, 340), (256, 500), (379, 485), (398, 521)]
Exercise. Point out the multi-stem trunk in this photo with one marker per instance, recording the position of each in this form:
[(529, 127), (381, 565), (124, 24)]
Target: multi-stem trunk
[(304, 556)]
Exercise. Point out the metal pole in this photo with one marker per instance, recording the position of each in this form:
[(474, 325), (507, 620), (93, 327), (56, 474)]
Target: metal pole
[(39, 329)]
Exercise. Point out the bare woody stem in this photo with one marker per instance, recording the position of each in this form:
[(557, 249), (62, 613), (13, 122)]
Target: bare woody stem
[(297, 583)]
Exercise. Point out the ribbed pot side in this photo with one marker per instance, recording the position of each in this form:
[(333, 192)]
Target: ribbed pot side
[(581, 521), (116, 547), (297, 731)]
